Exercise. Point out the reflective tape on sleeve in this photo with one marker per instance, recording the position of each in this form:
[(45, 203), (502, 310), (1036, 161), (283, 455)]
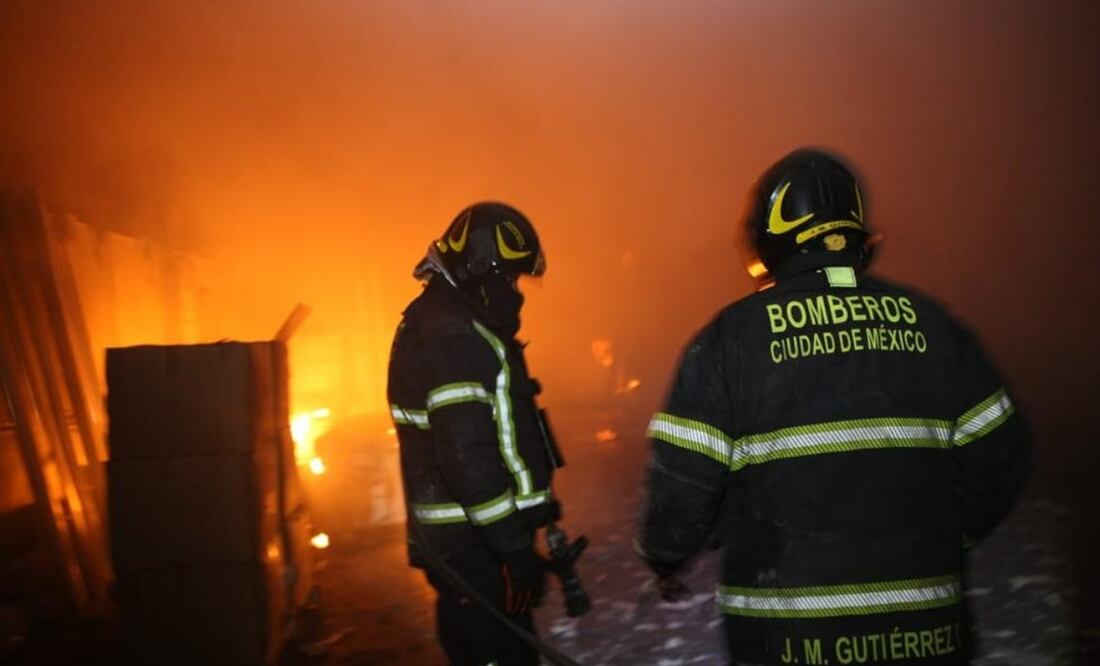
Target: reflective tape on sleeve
[(450, 394), (413, 417), (691, 435), (485, 513), (534, 499), (438, 514), (983, 418), (493, 510), (841, 600)]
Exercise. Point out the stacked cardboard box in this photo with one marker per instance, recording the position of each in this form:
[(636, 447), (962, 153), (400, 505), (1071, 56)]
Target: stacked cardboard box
[(201, 490)]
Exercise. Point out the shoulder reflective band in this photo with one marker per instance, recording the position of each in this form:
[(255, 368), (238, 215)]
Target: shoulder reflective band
[(451, 394), (506, 431), (983, 418), (480, 514), (691, 435), (841, 600), (413, 417)]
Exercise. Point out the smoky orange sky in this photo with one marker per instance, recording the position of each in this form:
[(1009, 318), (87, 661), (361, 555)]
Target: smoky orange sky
[(308, 141)]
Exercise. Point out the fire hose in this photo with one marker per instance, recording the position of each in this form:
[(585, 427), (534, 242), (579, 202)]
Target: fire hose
[(563, 554), (440, 566)]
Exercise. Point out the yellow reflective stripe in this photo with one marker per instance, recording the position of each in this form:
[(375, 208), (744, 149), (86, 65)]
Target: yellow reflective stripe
[(841, 600), (450, 394), (485, 513), (692, 435), (840, 437), (505, 426), (493, 510), (983, 418), (413, 417), (534, 499), (439, 514)]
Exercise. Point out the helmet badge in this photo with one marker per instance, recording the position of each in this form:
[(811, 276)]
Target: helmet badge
[(835, 242), (776, 224)]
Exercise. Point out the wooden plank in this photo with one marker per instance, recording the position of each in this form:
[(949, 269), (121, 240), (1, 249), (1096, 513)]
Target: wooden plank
[(80, 365), (53, 390), (37, 452)]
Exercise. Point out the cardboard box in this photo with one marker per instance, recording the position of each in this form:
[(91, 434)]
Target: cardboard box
[(191, 511), (201, 474), (217, 615), (193, 400)]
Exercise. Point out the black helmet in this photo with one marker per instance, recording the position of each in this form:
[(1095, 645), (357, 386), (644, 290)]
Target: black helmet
[(490, 238), (806, 202)]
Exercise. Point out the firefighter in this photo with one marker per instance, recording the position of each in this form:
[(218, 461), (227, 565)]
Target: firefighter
[(841, 437), (475, 469)]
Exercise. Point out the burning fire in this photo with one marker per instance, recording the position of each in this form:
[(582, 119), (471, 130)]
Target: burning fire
[(320, 541), (305, 428)]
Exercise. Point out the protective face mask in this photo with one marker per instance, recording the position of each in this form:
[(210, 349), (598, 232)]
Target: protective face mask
[(500, 302)]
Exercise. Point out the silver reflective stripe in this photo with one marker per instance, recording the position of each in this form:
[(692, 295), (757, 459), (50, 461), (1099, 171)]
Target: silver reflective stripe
[(841, 600), (505, 427), (451, 512), (414, 417), (534, 499), (983, 418), (493, 510), (438, 514), (692, 435), (450, 394), (840, 437)]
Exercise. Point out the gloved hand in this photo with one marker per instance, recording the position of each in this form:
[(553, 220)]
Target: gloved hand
[(524, 580)]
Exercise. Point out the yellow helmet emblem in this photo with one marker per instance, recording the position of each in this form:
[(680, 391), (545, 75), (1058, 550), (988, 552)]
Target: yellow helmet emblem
[(776, 224), (835, 242), (457, 245), (505, 251)]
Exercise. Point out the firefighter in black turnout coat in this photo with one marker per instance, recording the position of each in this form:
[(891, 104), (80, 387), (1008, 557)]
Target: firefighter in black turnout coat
[(474, 465), (841, 437)]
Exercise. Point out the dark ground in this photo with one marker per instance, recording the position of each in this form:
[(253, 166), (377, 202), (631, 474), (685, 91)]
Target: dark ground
[(1032, 584), (1030, 607)]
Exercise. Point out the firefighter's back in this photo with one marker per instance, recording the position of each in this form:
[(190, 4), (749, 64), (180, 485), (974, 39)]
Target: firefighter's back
[(845, 545)]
